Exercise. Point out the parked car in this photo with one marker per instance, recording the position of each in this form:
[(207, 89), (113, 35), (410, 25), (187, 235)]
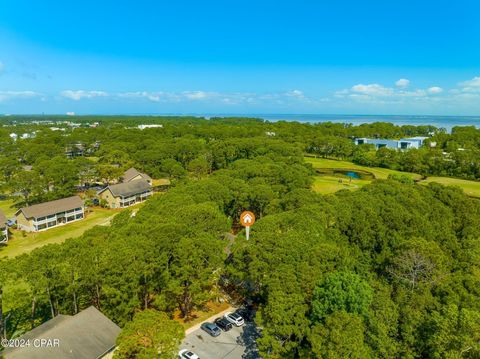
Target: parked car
[(223, 324), (11, 222), (187, 354), (234, 318), (211, 329)]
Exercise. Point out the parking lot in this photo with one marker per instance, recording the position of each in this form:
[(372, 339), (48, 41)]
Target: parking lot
[(237, 343)]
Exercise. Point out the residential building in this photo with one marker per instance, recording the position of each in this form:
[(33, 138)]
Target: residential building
[(86, 335), (142, 127), (133, 174), (3, 228), (75, 150), (402, 144), (126, 194), (46, 215)]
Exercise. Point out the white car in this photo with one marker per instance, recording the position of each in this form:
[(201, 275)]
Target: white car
[(234, 318), (187, 354)]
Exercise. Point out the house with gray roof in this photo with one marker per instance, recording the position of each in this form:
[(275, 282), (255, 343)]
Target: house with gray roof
[(86, 335), (132, 174), (126, 194), (43, 216), (3, 228)]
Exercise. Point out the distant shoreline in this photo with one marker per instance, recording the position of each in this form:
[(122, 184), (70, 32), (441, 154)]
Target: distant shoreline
[(447, 122)]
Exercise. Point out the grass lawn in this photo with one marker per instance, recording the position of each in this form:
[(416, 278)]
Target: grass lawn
[(6, 207), (326, 184), (19, 244), (160, 182), (380, 173), (471, 188), (331, 184)]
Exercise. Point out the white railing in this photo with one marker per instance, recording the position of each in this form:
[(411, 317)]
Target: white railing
[(56, 217)]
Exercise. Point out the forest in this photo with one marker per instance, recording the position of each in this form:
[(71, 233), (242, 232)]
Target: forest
[(391, 270)]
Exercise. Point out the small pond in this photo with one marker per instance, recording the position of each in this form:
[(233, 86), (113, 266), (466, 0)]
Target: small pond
[(344, 172)]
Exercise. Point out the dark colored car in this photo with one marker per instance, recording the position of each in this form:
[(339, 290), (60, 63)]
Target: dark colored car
[(211, 329), (223, 324)]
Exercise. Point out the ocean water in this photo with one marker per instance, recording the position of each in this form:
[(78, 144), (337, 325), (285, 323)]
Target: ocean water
[(446, 122)]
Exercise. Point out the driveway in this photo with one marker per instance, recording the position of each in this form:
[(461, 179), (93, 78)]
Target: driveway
[(237, 343)]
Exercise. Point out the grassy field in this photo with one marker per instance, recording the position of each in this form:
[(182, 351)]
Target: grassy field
[(326, 184), (471, 188), (19, 244), (6, 207), (160, 182), (332, 184), (379, 173)]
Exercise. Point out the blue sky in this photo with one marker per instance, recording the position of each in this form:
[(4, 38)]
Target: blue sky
[(338, 57)]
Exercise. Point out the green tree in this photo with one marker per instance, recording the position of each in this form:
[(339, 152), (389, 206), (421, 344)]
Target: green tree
[(341, 291), (199, 167), (454, 333), (340, 336), (149, 335), (28, 183)]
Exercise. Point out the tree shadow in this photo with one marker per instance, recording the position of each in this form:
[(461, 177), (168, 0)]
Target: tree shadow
[(248, 339)]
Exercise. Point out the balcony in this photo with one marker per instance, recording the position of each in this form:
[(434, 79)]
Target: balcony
[(56, 217)]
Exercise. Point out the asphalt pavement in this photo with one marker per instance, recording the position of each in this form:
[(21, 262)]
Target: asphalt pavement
[(237, 343)]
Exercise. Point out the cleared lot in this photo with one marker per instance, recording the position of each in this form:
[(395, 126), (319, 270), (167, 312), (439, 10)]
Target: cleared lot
[(238, 343)]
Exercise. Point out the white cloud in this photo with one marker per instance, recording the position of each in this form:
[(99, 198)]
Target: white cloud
[(151, 96), (79, 94), (8, 95), (475, 82), (70, 113), (372, 90), (295, 93), (472, 85), (375, 96), (435, 90), (197, 95), (231, 98), (402, 83)]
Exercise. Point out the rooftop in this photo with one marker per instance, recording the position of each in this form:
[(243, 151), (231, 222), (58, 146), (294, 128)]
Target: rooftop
[(86, 335), (132, 173), (52, 207), (126, 189)]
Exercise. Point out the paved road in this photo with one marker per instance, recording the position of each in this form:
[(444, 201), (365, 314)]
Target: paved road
[(238, 343)]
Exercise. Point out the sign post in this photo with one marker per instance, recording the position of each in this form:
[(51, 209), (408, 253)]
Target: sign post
[(247, 219)]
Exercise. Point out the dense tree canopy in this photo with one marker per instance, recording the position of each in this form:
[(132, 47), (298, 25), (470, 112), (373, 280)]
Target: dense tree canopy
[(150, 334), (388, 271)]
